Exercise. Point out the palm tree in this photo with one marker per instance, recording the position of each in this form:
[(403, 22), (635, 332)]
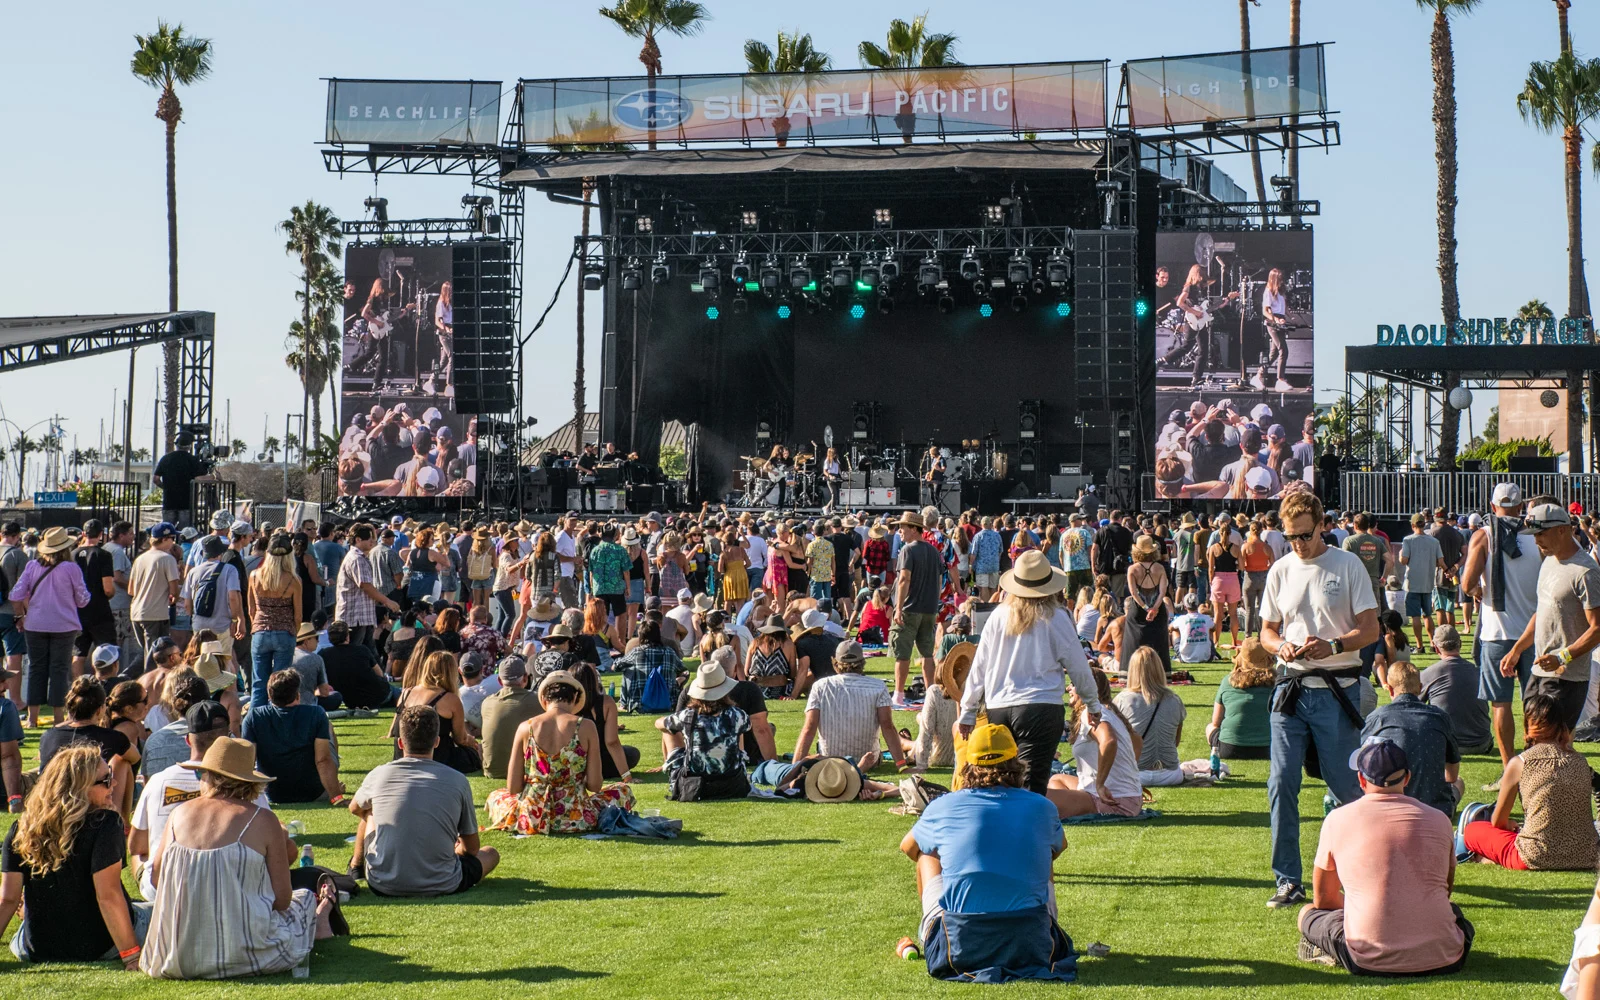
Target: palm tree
[(1293, 165), (167, 60), (647, 18), (238, 449), (1250, 103), (22, 446), (795, 54), (269, 449), (1563, 95), (326, 340), (141, 454), (314, 238), (1442, 50), (909, 46)]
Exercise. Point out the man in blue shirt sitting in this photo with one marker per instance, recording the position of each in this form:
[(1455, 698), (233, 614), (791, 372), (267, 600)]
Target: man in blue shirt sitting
[(1426, 735), (984, 856)]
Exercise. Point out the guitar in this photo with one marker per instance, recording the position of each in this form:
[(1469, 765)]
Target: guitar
[(1206, 307), (382, 324)]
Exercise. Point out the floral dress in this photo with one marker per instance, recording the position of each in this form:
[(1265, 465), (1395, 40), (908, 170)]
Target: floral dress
[(554, 798)]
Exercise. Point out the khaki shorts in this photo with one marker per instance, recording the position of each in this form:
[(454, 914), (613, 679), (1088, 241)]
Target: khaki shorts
[(917, 631)]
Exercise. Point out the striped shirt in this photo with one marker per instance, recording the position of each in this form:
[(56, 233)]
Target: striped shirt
[(847, 713), (353, 606)]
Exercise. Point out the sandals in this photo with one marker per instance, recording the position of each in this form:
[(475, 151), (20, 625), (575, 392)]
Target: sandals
[(326, 889)]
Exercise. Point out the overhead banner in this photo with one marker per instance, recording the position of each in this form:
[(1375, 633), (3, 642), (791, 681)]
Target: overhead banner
[(1226, 86), (414, 112), (845, 104)]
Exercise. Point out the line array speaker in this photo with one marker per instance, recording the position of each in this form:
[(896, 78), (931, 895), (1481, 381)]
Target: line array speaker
[(1104, 354), (484, 338)]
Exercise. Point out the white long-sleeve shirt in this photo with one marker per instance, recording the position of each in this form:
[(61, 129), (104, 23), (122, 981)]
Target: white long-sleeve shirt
[(1028, 669)]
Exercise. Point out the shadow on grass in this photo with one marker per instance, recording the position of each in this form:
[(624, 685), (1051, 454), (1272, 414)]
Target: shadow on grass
[(1533, 897), (1163, 882), (510, 889), (340, 960), (1177, 970)]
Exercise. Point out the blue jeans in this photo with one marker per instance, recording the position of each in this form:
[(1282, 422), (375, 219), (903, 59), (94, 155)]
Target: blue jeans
[(755, 574), (504, 612), (270, 652), (822, 590), (1318, 718)]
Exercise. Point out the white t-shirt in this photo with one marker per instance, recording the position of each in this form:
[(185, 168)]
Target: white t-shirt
[(1276, 542), (1123, 781), (683, 614), (756, 549), (1319, 597), (1274, 304), (566, 545), (165, 791), (472, 696), (1396, 599), (1521, 592), (1194, 637)]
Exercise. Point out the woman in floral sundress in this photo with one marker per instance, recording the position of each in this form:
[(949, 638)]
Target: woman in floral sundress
[(558, 789)]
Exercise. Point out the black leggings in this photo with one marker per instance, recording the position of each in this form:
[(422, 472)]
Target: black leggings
[(1037, 730)]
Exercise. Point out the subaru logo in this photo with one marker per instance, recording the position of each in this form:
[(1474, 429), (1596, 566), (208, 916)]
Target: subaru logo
[(647, 109)]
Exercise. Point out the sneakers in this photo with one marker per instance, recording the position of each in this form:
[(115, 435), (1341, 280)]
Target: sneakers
[(1258, 382), (1493, 786), (1288, 895), (898, 703), (1589, 732), (1282, 386), (1308, 952)]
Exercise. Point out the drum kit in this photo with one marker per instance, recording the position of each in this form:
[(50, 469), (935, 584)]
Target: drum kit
[(772, 484)]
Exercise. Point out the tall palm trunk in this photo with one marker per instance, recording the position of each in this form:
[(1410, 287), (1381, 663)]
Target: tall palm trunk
[(583, 252), (1577, 290), (650, 55), (1444, 153), (1250, 105), (305, 359), (1294, 98), (172, 352)]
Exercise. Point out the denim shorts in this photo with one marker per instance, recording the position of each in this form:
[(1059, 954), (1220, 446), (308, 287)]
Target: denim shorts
[(1418, 605), (11, 637), (1493, 687), (635, 591)]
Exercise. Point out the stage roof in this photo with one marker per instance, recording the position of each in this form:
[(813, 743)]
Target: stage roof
[(27, 341), (1428, 365), (1051, 156)]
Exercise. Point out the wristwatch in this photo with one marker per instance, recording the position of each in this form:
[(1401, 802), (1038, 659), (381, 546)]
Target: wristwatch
[(1338, 645)]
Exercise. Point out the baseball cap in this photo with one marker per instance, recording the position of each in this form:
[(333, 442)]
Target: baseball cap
[(652, 603), (1260, 412), (206, 717), (106, 654), (1507, 495), (685, 595), (472, 663), (1277, 433), (397, 521), (512, 668), (241, 529), (849, 652), (188, 534), (990, 744), (1474, 520), (1258, 477), (1377, 760), (165, 529), (1546, 516)]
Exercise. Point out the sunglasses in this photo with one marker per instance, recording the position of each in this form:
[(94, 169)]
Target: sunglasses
[(104, 782), (1304, 537)]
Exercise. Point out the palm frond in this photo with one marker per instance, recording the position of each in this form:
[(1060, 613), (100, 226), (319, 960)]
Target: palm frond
[(757, 57)]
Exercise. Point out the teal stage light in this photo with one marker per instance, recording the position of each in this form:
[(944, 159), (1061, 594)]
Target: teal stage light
[(986, 310), (857, 311), (1063, 309), (784, 312), (1141, 308), (712, 312)]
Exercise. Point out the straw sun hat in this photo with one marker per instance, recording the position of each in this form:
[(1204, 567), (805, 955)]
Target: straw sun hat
[(1033, 576), (230, 758), (833, 779)]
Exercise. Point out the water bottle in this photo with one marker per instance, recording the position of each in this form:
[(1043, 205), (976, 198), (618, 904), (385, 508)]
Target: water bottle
[(1216, 765), (907, 949), (612, 690), (307, 857)]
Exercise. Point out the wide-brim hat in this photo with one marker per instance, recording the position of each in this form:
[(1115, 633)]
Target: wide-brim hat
[(704, 603), (1033, 576), (544, 610), (481, 533), (711, 683), (307, 631), (54, 540), (911, 519), (559, 632), (953, 669), (877, 531), (833, 779), (209, 668), (630, 537), (230, 758), (772, 626), (1188, 519)]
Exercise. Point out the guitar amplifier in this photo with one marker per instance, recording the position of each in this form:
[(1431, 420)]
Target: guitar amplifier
[(880, 477), (853, 497), (855, 480), (881, 496), (604, 500)]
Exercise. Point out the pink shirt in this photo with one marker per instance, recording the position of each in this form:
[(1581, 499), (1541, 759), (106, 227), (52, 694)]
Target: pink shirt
[(54, 596), (1393, 855)]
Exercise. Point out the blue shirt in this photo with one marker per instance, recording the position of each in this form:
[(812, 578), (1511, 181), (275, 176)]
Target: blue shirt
[(986, 551), (995, 846), (1425, 734), (10, 723), (329, 555)]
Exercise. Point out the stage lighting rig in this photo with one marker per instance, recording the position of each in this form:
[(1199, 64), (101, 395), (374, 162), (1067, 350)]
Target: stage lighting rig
[(889, 268), (868, 277), (971, 269), (379, 207), (882, 218), (594, 276), (993, 215), (632, 275), (1019, 302), (1284, 186), (710, 277), (740, 304), (1058, 270), (885, 303), (741, 268), (840, 275), (749, 221), (478, 206), (929, 274), (947, 303), (644, 225), (661, 271), (1019, 269), (771, 275)]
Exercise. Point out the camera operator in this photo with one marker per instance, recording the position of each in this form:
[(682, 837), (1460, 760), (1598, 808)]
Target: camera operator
[(175, 474)]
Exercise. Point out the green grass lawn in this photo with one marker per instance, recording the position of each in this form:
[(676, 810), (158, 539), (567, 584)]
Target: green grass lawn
[(782, 899)]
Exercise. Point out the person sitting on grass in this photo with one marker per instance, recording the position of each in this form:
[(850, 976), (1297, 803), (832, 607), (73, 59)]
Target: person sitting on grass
[(1157, 714), (1452, 685), (1107, 754), (417, 833), (86, 702), (503, 711), (984, 858), (759, 742), (1240, 726), (705, 739), (875, 617), (1191, 632), (1424, 733), (1380, 891), (845, 713), (294, 743), (1556, 785), (223, 904), (553, 782), (62, 863), (165, 746)]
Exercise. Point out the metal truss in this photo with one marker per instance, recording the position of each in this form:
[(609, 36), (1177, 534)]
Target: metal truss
[(378, 158), (196, 375), (1216, 138), (1236, 214), (910, 242), (113, 336), (372, 231)]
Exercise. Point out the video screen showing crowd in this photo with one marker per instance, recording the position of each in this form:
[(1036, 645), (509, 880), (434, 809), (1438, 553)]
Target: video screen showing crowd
[(401, 434), (1235, 370)]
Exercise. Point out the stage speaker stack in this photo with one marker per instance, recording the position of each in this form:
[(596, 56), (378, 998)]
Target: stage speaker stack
[(1030, 440), (1104, 352), (864, 419), (484, 288)]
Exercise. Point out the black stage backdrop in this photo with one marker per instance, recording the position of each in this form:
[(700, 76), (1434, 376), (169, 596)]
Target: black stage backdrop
[(935, 376)]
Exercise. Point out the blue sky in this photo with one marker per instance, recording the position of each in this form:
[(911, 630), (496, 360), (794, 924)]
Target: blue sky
[(81, 195)]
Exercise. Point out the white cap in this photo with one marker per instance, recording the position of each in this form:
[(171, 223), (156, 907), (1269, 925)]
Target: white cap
[(813, 619), (1258, 477), (685, 595), (106, 654), (1507, 495), (1260, 411)]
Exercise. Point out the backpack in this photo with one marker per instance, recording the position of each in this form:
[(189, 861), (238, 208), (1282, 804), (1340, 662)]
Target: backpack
[(480, 565), (657, 693), (207, 577)]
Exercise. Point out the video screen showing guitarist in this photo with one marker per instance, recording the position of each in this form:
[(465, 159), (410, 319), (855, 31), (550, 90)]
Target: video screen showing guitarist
[(1191, 326), (1274, 320)]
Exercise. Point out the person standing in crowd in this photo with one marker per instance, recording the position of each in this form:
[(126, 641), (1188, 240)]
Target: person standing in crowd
[(1451, 685), (96, 625), (388, 572), (1144, 619), (329, 554), (1385, 867), (275, 596), (119, 547), (1502, 572), (48, 596), (919, 578), (986, 546), (175, 475), (1027, 651), (609, 570), (211, 595), (1076, 544), (1112, 553), (1422, 558), (153, 585), (1452, 547), (1373, 552), (1318, 612), (1256, 559), (1187, 547), (820, 561), (358, 594), (1567, 627), (1222, 570), (13, 560)]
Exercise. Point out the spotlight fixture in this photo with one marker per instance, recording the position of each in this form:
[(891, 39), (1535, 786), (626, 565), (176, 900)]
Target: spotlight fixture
[(712, 312), (889, 268), (1063, 309), (763, 429), (771, 275), (840, 275), (784, 312), (857, 311), (994, 215), (811, 304), (882, 218), (1019, 302), (799, 273), (868, 276), (885, 305), (710, 277), (986, 310), (740, 304), (477, 205), (947, 303), (1141, 308), (594, 280), (644, 225), (741, 268), (1058, 270), (929, 273), (971, 270), (379, 207), (1284, 186), (1019, 270), (749, 221), (661, 271), (632, 275)]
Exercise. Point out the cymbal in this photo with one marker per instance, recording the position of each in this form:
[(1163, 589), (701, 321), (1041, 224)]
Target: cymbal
[(752, 458)]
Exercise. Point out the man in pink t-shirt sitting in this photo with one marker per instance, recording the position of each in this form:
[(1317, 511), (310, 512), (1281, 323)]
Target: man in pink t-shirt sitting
[(1380, 894)]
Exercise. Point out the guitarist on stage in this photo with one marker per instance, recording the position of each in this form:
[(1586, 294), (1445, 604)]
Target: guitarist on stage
[(1274, 317)]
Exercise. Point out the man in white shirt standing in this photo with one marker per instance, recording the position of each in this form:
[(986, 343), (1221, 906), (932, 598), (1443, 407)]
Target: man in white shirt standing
[(567, 559), (756, 550), (1318, 612)]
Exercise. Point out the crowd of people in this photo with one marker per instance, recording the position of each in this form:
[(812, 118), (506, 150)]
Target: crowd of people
[(191, 680)]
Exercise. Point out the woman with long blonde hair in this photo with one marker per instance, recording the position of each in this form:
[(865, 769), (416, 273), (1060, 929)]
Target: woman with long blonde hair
[(68, 847), (1030, 646), (674, 568), (275, 598), (434, 680), (1106, 750), (1157, 714)]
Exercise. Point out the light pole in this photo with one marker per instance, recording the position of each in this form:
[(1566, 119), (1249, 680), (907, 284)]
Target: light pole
[(9, 423)]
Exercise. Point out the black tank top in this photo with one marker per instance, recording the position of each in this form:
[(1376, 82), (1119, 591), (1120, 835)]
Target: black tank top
[(1224, 562)]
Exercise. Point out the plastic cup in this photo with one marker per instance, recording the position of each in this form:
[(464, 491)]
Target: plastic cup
[(296, 827)]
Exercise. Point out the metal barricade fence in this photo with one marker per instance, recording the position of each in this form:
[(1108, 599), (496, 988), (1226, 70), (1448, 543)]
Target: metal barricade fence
[(1401, 494)]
